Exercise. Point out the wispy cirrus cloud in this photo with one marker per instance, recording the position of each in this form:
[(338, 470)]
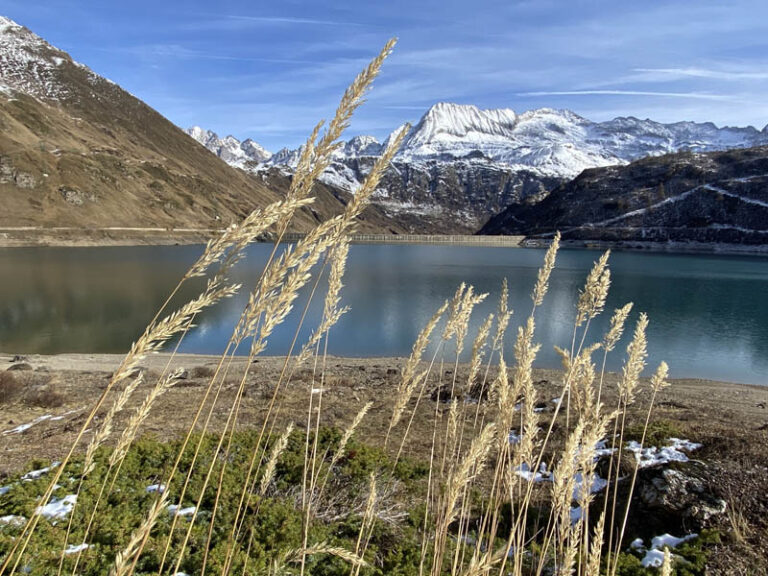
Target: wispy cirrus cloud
[(291, 20), (176, 51), (268, 71), (242, 22), (715, 74), (691, 95)]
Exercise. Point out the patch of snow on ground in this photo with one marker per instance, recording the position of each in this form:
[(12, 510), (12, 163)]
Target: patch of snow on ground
[(156, 488), (601, 449), (671, 541), (597, 484), (524, 471), (4, 490), (75, 548), (62, 416), (13, 520), (654, 557), (174, 510), (58, 508), (654, 456), (21, 428), (576, 514), (35, 474)]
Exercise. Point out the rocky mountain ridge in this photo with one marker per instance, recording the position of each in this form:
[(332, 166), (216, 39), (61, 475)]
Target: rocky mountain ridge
[(459, 164), (700, 198)]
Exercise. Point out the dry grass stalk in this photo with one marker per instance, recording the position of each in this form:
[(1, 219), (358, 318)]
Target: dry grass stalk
[(331, 311), (106, 426), (477, 351), (666, 565), (323, 549), (277, 450), (592, 298), (341, 448), (366, 527), (122, 564), (636, 354), (140, 415), (614, 333), (454, 309), (542, 280), (410, 380), (459, 477), (596, 548), (503, 315)]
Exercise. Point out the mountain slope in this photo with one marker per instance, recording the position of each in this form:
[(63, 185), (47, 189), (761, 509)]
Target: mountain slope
[(715, 197), (76, 150)]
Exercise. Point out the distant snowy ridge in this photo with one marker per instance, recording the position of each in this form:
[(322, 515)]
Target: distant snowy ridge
[(559, 142), (230, 149), (547, 142)]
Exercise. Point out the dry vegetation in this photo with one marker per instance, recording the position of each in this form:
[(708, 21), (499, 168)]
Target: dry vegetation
[(473, 509)]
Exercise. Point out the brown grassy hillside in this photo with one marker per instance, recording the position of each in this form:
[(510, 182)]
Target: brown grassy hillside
[(76, 150)]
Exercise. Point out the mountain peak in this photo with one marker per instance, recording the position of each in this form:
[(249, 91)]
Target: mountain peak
[(6, 23), (363, 145), (448, 121), (229, 148)]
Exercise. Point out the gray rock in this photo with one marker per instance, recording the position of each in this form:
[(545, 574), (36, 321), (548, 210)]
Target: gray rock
[(24, 180), (680, 492), (20, 366)]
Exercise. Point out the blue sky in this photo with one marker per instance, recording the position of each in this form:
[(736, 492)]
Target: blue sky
[(270, 70)]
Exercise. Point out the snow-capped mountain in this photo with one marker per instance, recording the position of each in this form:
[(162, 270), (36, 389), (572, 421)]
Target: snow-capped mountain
[(235, 153), (31, 65), (460, 164), (555, 143)]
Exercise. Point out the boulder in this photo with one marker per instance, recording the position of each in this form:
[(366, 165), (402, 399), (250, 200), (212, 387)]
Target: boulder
[(682, 492), (20, 366)]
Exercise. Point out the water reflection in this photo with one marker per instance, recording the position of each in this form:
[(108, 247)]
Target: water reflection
[(709, 314)]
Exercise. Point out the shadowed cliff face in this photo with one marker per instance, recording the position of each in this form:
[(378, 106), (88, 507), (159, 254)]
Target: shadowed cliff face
[(714, 197)]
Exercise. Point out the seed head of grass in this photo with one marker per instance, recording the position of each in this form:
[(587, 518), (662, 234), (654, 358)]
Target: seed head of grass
[(614, 333), (635, 361), (592, 298), (659, 378), (542, 280)]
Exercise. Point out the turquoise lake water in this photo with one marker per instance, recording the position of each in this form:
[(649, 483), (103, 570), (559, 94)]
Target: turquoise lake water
[(708, 313)]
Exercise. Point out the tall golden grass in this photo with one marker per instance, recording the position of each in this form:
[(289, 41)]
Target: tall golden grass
[(471, 452)]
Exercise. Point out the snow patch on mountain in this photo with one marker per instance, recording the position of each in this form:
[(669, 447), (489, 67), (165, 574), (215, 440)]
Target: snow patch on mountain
[(30, 65), (26, 62)]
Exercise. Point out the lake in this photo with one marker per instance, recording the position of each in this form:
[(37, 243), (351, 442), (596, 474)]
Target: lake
[(708, 313)]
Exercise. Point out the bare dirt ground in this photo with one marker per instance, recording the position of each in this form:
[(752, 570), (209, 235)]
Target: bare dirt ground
[(115, 236), (45, 399)]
